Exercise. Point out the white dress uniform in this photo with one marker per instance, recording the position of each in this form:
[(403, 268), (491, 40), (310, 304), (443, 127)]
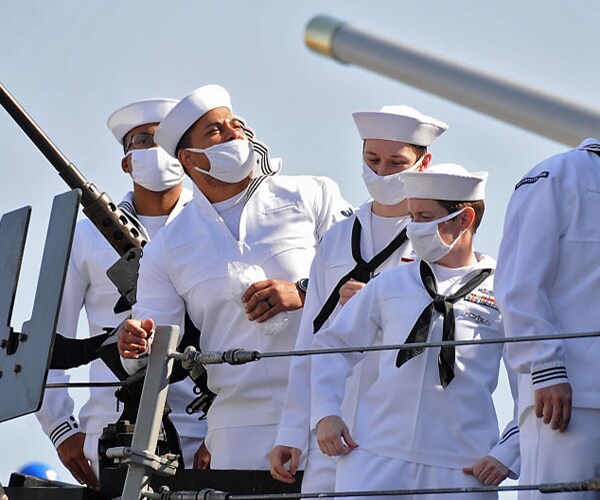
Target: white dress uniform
[(332, 261), (411, 432), (88, 286), (547, 282), (280, 227), (381, 244)]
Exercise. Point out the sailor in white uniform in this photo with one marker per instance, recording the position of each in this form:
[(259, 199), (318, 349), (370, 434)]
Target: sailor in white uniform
[(547, 283), (157, 197), (396, 139), (428, 420), (232, 259)]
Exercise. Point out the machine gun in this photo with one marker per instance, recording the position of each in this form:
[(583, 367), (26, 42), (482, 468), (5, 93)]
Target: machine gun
[(110, 220), (118, 230)]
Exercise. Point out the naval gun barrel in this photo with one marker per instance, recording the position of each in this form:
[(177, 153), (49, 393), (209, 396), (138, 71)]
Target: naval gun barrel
[(545, 114)]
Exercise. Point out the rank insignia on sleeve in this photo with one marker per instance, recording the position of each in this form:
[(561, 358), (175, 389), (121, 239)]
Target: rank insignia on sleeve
[(484, 298), (532, 180)]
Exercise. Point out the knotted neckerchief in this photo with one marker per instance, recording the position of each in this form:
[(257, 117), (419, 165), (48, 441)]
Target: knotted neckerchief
[(443, 305), (362, 271)]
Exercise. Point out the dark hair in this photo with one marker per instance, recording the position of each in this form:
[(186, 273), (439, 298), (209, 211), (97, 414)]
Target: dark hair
[(454, 206), (185, 141), (420, 151)]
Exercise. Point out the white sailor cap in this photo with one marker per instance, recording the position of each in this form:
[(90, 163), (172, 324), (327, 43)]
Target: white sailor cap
[(399, 123), (138, 113), (446, 181), (187, 112)]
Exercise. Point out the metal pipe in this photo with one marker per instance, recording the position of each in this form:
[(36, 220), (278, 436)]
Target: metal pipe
[(241, 356), (210, 494), (154, 397), (540, 112), (78, 385)]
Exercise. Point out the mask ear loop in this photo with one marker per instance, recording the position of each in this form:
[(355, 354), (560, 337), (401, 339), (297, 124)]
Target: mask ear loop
[(129, 158), (454, 216), (417, 166), (198, 151), (450, 217)]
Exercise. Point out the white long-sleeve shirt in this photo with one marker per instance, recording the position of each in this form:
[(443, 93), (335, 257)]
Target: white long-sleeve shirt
[(187, 266), (548, 274), (332, 261), (87, 286), (406, 413)]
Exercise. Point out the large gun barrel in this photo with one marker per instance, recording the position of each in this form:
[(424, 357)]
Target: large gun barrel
[(110, 220), (534, 110)]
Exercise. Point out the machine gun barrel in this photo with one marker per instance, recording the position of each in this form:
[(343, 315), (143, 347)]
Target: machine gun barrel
[(110, 220), (551, 116)]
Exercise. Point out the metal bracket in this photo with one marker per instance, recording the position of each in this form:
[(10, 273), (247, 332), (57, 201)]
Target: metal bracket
[(165, 466)]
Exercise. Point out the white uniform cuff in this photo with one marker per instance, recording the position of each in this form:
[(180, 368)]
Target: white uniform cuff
[(323, 411), (64, 430), (508, 458), (294, 438), (547, 376), (132, 365)]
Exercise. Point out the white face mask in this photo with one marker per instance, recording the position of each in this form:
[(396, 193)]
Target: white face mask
[(230, 161), (386, 189), (426, 240), (154, 169)]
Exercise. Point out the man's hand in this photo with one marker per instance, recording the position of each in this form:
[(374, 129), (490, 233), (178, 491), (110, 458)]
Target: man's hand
[(281, 455), (265, 299), (334, 437), (133, 337), (488, 470), (349, 290), (553, 405), (71, 455), (202, 457)]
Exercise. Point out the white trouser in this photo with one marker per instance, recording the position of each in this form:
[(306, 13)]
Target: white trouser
[(549, 456), (189, 446), (90, 450), (241, 448), (363, 471), (319, 473)]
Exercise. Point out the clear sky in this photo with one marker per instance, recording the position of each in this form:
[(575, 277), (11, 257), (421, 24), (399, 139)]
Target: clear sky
[(72, 63)]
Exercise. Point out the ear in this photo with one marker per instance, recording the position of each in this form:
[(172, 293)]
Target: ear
[(186, 158), (426, 161), (467, 218), (125, 165), (189, 160)]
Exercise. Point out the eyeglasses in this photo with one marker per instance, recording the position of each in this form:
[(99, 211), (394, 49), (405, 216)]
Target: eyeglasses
[(143, 140)]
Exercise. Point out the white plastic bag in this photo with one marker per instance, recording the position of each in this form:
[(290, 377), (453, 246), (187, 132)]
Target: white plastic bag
[(241, 276)]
